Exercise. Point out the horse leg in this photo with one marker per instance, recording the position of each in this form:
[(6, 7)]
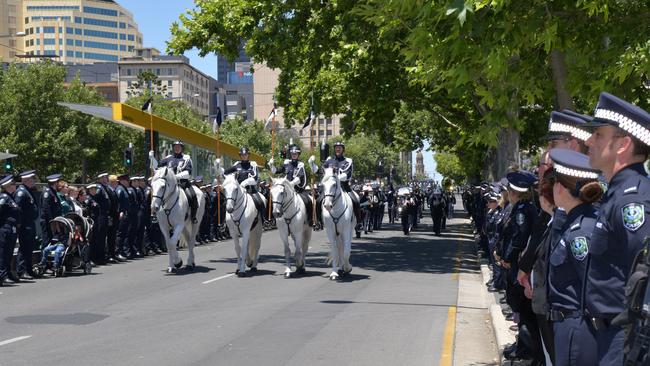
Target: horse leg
[(254, 243), (346, 239), (190, 237), (177, 261), (238, 251), (306, 238), (164, 231), (244, 253), (284, 236), (334, 251)]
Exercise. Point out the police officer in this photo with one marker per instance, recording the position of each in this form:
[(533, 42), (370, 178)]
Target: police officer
[(437, 207), (218, 212), (100, 227), (243, 170), (294, 171), (143, 212), (182, 165), (343, 167), (9, 218), (92, 209), (112, 215), (124, 214), (618, 147), (151, 229), (134, 209), (26, 202), (391, 199), (576, 188), (50, 206)]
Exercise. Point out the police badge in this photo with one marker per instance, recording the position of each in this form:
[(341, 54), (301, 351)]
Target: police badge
[(579, 248), (520, 218), (633, 216)]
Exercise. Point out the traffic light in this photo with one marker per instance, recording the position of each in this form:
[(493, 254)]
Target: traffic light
[(128, 157), (9, 165)]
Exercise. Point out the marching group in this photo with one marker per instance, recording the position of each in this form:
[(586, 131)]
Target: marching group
[(562, 242)]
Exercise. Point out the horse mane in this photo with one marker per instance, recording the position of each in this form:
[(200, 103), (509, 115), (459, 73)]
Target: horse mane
[(328, 173), (230, 178)]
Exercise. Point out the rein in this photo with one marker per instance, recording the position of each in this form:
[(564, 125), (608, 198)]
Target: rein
[(335, 197), (284, 207), (164, 199), (242, 203)]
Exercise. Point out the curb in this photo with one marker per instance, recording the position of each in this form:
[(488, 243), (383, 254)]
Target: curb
[(501, 326)]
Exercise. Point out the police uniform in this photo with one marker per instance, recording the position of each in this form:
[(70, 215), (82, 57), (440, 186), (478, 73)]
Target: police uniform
[(9, 219), (100, 227), (50, 207), (390, 198), (124, 212), (568, 262), (437, 207), (112, 220), (295, 169), (243, 170), (619, 231), (27, 226), (134, 210), (181, 164)]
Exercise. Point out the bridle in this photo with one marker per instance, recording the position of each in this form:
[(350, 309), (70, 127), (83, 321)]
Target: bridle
[(163, 198), (284, 205), (243, 201), (335, 196)]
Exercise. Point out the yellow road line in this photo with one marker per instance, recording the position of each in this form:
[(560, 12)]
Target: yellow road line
[(447, 355)]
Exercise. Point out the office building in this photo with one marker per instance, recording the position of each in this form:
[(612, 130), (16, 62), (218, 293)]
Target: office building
[(180, 80), (70, 31)]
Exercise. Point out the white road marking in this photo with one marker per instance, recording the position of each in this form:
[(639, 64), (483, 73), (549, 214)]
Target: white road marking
[(218, 278), (12, 340)]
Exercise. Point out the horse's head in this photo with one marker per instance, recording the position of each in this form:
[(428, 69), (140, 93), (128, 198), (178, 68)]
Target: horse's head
[(278, 196), (160, 187), (232, 191), (331, 188)]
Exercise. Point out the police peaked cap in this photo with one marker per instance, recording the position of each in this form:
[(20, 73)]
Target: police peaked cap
[(573, 164), (27, 174), (520, 181), (102, 175), (53, 178), (243, 150), (6, 180), (565, 124), (616, 112)]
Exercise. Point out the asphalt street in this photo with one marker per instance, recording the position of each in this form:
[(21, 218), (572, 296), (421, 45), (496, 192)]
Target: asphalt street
[(391, 310)]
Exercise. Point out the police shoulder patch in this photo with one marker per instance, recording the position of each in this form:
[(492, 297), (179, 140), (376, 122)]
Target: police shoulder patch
[(520, 218), (579, 248), (46, 194), (633, 216)]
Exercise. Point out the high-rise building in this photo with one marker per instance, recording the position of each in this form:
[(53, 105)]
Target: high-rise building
[(10, 15), (72, 31)]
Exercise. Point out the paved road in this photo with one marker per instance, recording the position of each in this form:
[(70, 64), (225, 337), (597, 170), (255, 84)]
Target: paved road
[(392, 310)]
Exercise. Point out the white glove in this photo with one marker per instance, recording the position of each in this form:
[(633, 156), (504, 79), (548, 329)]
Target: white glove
[(153, 161), (183, 175), (312, 166), (248, 182), (217, 162), (151, 153), (270, 162), (295, 181), (343, 177), (312, 159)]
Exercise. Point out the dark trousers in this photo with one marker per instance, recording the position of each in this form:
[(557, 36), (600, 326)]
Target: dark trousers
[(7, 244), (546, 331), (27, 238), (575, 343), (139, 231), (123, 245), (436, 216), (45, 233), (133, 245), (154, 236), (528, 319), (111, 238), (98, 240), (611, 342)]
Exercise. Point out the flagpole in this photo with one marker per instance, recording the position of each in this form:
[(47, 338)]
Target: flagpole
[(272, 155)]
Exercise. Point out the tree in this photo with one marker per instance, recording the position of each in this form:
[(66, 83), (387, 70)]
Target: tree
[(51, 138), (147, 84), (448, 165)]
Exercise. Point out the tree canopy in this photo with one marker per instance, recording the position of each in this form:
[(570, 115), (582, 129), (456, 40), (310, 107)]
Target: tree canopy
[(477, 78)]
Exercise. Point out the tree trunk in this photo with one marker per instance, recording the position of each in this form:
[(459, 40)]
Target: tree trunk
[(507, 153), (558, 66)]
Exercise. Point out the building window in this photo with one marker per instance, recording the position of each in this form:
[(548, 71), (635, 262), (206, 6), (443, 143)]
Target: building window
[(131, 48), (79, 55), (130, 37), (60, 29), (12, 20), (100, 34), (69, 53), (128, 83), (60, 41), (122, 36), (158, 72), (48, 29), (78, 43), (77, 31), (12, 8), (78, 20), (69, 42), (122, 48), (38, 30), (101, 45), (128, 72), (169, 83), (100, 23), (26, 20), (50, 53), (69, 30), (38, 41), (27, 43), (100, 11), (30, 8), (12, 43), (122, 25), (100, 56)]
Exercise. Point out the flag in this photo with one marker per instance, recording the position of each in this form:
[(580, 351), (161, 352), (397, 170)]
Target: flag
[(216, 124), (310, 118), (147, 105), (272, 115)]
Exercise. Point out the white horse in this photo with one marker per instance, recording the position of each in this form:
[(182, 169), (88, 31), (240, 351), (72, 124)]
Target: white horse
[(172, 209), (339, 222), (288, 205), (243, 219)]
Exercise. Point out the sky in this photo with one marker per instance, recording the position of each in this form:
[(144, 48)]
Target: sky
[(154, 20)]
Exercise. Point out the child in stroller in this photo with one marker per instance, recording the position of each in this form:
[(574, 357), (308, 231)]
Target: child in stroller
[(69, 245)]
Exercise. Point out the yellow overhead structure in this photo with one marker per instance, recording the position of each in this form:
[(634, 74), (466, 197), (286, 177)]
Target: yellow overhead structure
[(134, 116)]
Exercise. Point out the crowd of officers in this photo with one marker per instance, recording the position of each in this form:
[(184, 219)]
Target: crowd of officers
[(562, 242), (119, 206)]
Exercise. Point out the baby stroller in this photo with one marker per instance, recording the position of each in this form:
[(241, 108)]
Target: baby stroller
[(73, 232)]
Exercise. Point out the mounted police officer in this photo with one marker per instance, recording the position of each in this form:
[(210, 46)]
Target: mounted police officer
[(9, 219), (182, 165), (243, 170), (26, 202), (619, 146), (294, 171), (343, 167), (50, 207)]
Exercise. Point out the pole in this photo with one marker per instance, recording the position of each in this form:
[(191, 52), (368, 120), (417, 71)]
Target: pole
[(272, 155), (218, 181)]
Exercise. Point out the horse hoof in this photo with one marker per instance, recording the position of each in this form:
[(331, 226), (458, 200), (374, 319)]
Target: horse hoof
[(171, 269), (287, 275), (253, 269), (334, 277), (179, 264)]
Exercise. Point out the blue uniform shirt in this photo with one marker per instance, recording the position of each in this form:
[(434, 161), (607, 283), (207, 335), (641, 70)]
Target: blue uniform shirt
[(50, 205), (517, 232), (9, 212), (293, 169), (27, 204), (244, 169), (340, 165), (617, 238), (123, 202), (178, 162), (102, 199), (569, 259)]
